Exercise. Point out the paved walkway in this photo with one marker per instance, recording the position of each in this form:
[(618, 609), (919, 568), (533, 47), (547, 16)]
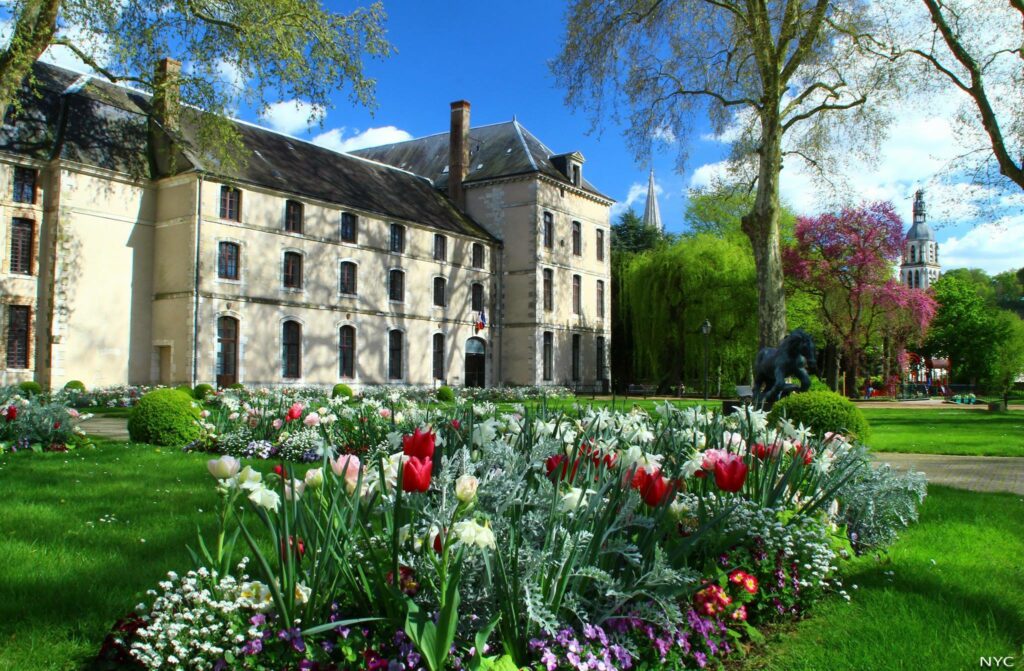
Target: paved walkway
[(979, 474), (112, 428)]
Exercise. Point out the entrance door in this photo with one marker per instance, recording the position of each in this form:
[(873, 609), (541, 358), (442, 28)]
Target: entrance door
[(227, 351), (476, 362)]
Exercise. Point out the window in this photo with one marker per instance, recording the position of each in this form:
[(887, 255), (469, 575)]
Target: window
[(549, 291), (478, 297), (291, 349), (348, 227), (227, 351), (549, 230), (577, 298), (24, 185), (600, 299), (293, 216), (17, 336), (397, 238), (292, 270), (438, 356), (230, 203), (600, 244), (478, 255), (348, 278), (577, 174), (347, 351), (576, 338), (395, 355), (601, 371), (440, 287), (913, 254), (440, 247), (227, 261), (22, 242), (396, 285), (577, 238), (549, 345)]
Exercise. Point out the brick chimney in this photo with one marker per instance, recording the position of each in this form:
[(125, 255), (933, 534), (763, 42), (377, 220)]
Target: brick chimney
[(458, 152), (167, 93)]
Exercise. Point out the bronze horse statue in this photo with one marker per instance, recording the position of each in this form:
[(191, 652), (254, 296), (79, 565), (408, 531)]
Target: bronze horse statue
[(794, 355)]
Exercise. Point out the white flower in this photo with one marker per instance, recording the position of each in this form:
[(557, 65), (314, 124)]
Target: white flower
[(249, 479), (266, 498), (314, 478), (301, 593), (224, 468), (572, 499), (471, 533), (465, 487), (312, 419), (233, 417), (294, 489), (256, 593)]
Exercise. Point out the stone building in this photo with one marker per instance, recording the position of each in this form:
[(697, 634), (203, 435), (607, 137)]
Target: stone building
[(130, 259), (920, 266)]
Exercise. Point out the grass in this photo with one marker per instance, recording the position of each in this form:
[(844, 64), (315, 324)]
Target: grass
[(948, 593), (946, 431), (104, 411)]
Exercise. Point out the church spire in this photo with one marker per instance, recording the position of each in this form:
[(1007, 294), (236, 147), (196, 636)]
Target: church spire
[(652, 215)]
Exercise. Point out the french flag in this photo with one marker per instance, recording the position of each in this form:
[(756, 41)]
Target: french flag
[(481, 322)]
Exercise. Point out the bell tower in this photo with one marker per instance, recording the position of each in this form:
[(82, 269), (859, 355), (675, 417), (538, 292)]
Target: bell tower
[(920, 266)]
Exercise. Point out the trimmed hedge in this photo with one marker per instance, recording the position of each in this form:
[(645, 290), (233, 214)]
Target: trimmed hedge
[(445, 394), (201, 391), (30, 388), (164, 417), (341, 390), (823, 411), (75, 385)]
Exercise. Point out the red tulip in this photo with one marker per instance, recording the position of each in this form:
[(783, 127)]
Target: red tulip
[(416, 474), (279, 469), (419, 444), (560, 462), (730, 472), (296, 544), (11, 413), (652, 486), (294, 412), (806, 452), (456, 424), (765, 452)]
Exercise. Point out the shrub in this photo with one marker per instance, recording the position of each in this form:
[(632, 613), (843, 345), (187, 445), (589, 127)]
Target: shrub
[(185, 389), (237, 385), (445, 394), (201, 391), (164, 417), (74, 385), (817, 384), (823, 411), (341, 390), (879, 503), (30, 388)]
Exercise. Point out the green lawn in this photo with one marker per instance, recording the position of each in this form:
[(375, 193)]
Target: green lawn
[(946, 431), (946, 594)]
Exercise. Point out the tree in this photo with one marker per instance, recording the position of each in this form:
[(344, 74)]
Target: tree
[(780, 71), (720, 211), (962, 329), (1008, 356), (904, 317), (273, 49)]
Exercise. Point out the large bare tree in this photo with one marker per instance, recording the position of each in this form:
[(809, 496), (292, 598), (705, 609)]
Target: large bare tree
[(777, 78)]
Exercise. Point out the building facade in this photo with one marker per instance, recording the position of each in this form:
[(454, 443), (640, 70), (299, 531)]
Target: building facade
[(920, 266), (298, 265)]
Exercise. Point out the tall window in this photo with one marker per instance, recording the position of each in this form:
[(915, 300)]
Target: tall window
[(348, 227), (601, 370), (227, 261), (227, 351), (348, 278), (600, 299), (292, 270), (478, 255), (549, 346), (17, 336), (478, 297), (600, 244), (913, 254), (397, 238), (577, 297), (291, 349), (347, 352), (440, 247), (22, 242), (293, 216), (396, 285), (577, 238), (549, 230), (438, 356), (24, 185), (395, 355), (440, 288), (230, 203), (577, 174), (576, 338), (549, 290)]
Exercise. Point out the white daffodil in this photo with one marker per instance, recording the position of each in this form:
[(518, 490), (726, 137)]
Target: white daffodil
[(301, 593), (472, 533), (573, 498), (265, 498), (249, 479), (257, 594)]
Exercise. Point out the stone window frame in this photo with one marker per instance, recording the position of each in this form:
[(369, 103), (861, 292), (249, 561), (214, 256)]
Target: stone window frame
[(5, 323)]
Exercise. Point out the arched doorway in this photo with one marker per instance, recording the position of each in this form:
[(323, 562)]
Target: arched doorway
[(227, 351), (476, 362)]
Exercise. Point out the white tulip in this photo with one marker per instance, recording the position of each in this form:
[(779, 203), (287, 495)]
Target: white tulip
[(265, 498), (465, 487), (224, 468), (314, 478), (249, 479)]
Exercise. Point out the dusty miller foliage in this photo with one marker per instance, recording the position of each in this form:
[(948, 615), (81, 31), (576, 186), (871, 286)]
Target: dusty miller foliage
[(879, 503)]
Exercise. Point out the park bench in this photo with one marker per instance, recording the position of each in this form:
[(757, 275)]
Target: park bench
[(588, 389), (744, 392), (644, 390)]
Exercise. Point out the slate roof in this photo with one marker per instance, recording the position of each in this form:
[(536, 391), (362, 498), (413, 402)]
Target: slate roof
[(495, 151), (95, 123)]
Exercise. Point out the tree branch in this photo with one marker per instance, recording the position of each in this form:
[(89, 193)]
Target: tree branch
[(204, 16), (91, 62), (824, 107)]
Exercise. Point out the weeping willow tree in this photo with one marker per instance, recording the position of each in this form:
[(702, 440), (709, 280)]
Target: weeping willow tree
[(668, 292)]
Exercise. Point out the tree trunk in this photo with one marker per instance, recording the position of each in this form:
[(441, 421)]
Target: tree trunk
[(850, 369), (34, 29)]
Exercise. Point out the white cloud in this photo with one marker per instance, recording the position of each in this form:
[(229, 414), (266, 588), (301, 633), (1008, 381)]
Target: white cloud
[(371, 137), (292, 116), (637, 191), (993, 247)]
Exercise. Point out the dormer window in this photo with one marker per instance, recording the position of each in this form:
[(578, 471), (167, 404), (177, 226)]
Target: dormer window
[(577, 174), (570, 165)]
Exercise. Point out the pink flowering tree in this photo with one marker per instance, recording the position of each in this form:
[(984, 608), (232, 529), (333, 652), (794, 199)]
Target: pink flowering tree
[(904, 315), (844, 260)]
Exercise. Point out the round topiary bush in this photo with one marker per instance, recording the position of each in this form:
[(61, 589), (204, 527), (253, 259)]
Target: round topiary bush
[(818, 385), (164, 417), (74, 385), (341, 390), (30, 388), (185, 389), (445, 394), (201, 391), (822, 411)]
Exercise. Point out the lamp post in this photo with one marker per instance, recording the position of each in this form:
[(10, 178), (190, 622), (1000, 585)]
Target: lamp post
[(705, 328)]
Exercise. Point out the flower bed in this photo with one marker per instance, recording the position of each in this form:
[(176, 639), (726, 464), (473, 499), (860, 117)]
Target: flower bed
[(437, 538), (37, 423)]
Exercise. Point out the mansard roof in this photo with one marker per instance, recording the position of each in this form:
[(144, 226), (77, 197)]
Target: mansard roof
[(496, 151), (92, 122)]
